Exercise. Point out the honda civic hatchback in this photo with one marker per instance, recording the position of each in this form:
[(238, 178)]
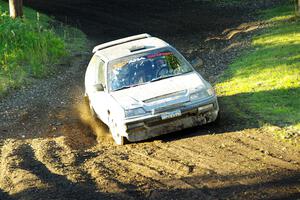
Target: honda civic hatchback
[(142, 87)]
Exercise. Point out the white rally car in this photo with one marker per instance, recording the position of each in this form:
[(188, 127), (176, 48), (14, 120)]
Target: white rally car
[(141, 87)]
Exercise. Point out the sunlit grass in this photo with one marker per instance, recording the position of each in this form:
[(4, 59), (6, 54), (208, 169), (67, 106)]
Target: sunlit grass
[(31, 47), (264, 84), (279, 14)]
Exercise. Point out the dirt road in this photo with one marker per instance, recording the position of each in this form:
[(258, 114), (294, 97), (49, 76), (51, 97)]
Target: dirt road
[(49, 151)]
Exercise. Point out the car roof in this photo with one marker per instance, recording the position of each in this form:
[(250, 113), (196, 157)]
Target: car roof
[(131, 48)]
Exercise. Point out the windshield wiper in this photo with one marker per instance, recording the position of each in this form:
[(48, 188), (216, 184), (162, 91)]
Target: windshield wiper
[(168, 76), (162, 77), (129, 86), (123, 87)]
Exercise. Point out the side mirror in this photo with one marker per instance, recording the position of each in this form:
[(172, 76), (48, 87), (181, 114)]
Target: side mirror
[(99, 87), (197, 62)]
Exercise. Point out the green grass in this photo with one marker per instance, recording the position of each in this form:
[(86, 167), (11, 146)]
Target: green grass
[(230, 2), (263, 85), (279, 14), (31, 47)]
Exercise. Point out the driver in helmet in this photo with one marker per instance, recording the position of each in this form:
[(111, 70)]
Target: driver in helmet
[(161, 67)]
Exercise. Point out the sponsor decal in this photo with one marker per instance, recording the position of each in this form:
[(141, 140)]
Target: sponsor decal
[(159, 54)]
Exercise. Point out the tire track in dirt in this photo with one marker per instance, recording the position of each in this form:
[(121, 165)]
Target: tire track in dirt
[(58, 158), (205, 164), (111, 177), (146, 173), (152, 171), (208, 153), (165, 163), (198, 160), (257, 149), (44, 172)]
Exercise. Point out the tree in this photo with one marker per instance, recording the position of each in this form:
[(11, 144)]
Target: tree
[(297, 7), (16, 8), (298, 11)]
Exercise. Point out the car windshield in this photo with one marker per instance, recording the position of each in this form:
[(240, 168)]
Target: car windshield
[(143, 68)]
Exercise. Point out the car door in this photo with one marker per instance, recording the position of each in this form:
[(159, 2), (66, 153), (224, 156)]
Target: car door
[(99, 99)]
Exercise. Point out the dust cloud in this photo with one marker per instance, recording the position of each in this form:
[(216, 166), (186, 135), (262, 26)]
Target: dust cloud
[(94, 126)]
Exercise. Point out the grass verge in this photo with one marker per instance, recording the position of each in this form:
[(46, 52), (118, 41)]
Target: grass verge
[(228, 2), (263, 85), (31, 47)]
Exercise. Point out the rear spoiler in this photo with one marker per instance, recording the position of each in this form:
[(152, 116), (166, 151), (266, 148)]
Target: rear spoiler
[(120, 41)]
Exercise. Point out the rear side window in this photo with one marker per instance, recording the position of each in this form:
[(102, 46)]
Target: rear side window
[(95, 73), (101, 71)]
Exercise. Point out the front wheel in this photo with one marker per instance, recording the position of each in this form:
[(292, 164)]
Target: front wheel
[(118, 138)]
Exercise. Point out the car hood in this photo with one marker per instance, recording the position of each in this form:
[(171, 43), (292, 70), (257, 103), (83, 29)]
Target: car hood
[(159, 92)]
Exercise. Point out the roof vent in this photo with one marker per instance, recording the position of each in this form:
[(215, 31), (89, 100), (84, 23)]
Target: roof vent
[(137, 48)]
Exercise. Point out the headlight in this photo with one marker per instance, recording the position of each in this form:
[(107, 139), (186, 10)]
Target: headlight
[(134, 112), (202, 94), (211, 91)]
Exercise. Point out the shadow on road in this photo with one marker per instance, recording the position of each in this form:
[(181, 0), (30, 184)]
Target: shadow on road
[(265, 184), (262, 186), (5, 196), (58, 186)]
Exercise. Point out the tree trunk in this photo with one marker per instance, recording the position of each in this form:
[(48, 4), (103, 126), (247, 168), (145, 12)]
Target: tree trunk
[(298, 11), (15, 8)]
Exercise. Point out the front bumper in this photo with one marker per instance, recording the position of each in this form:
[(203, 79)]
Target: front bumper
[(195, 114)]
